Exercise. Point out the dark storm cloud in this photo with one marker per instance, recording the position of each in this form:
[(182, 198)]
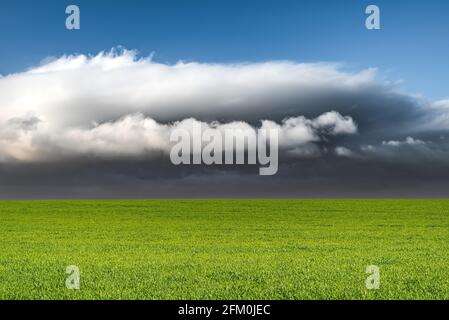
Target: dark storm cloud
[(99, 127)]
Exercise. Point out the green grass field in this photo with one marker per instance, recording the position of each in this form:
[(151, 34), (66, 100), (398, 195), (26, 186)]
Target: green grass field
[(225, 249)]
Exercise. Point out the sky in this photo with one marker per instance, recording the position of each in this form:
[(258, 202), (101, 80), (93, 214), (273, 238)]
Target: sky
[(412, 45), (88, 113)]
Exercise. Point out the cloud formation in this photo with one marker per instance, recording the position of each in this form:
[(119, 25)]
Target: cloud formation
[(116, 110), (77, 90), (28, 139)]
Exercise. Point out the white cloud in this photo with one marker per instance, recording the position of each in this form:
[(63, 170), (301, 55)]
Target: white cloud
[(300, 130), (112, 104), (29, 139), (335, 123), (437, 116), (441, 104), (408, 141), (118, 105), (77, 90), (343, 152)]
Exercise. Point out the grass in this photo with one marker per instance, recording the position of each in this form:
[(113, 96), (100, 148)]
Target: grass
[(225, 249)]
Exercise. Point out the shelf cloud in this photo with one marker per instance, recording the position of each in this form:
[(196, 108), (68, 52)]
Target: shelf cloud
[(92, 126)]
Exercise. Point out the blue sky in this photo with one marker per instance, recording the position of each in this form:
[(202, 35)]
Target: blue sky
[(413, 44)]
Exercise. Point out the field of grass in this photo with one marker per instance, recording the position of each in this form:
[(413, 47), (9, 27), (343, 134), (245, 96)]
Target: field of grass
[(225, 249)]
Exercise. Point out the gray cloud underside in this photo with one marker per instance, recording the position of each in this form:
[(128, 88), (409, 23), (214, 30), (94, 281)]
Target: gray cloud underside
[(98, 127)]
